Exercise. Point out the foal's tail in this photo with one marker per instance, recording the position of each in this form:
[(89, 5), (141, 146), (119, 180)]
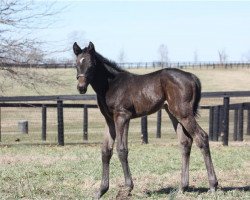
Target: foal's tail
[(197, 94)]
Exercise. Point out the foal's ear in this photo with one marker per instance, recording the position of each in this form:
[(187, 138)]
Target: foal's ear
[(77, 49), (91, 47)]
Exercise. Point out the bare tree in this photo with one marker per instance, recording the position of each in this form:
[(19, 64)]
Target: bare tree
[(223, 57), (163, 53), (76, 36), (196, 57), (121, 56), (18, 20)]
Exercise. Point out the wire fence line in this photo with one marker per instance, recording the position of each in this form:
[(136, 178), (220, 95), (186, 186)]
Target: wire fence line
[(184, 65), (138, 65)]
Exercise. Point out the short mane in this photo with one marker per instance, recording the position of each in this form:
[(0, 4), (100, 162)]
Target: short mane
[(111, 66)]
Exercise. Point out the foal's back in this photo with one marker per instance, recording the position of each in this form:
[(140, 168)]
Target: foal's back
[(145, 94)]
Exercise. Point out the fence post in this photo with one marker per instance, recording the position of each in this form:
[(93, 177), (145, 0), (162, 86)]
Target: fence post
[(241, 120), (158, 129), (144, 129), (236, 123), (85, 123), (60, 122), (0, 124), (216, 123), (211, 119), (220, 119), (44, 122), (226, 101), (248, 122)]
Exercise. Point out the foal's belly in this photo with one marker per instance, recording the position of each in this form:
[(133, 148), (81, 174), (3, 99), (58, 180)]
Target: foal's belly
[(145, 105), (138, 95)]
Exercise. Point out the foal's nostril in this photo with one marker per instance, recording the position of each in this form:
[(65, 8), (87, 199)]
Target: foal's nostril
[(81, 89)]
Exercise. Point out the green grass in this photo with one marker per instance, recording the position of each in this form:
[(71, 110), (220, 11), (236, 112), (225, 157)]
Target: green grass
[(46, 171), (74, 172)]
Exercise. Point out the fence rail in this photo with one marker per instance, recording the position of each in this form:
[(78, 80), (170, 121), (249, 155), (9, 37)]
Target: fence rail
[(48, 98), (218, 114), (132, 65), (225, 94)]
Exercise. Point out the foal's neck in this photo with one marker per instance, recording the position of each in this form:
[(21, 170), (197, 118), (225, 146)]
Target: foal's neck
[(101, 80), (105, 72)]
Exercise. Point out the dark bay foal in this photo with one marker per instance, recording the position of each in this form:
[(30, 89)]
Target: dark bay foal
[(122, 96)]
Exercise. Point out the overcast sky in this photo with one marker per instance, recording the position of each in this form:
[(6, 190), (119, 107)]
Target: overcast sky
[(140, 27)]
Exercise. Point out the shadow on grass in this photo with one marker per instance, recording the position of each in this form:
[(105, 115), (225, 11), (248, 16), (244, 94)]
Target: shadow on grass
[(200, 190)]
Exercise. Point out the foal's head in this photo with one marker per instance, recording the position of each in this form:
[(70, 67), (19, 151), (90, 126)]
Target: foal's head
[(85, 65)]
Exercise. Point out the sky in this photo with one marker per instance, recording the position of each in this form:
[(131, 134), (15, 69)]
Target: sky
[(138, 28)]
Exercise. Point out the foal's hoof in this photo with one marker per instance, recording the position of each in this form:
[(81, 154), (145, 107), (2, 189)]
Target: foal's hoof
[(212, 190), (124, 193), (213, 187), (183, 189), (97, 196), (103, 189)]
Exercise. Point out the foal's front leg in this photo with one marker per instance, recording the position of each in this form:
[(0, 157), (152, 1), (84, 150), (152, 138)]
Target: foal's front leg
[(107, 151), (122, 125)]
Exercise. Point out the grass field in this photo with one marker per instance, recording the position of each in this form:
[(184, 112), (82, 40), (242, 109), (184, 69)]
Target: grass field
[(74, 171), (211, 79), (46, 171)]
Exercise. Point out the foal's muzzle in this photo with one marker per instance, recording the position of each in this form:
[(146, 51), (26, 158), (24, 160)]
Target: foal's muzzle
[(82, 83)]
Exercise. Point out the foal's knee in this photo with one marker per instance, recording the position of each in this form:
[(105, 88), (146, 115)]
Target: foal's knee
[(202, 141), (106, 155), (122, 154), (186, 142), (186, 147)]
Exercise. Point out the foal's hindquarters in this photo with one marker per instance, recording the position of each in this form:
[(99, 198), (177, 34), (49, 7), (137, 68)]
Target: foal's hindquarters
[(187, 130), (181, 105)]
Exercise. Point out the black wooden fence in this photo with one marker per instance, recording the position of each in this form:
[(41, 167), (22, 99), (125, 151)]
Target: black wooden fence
[(216, 120), (223, 110), (59, 105), (218, 115), (60, 119)]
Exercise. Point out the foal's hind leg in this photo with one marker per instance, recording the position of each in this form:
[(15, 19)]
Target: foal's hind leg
[(201, 139), (186, 144), (107, 151)]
